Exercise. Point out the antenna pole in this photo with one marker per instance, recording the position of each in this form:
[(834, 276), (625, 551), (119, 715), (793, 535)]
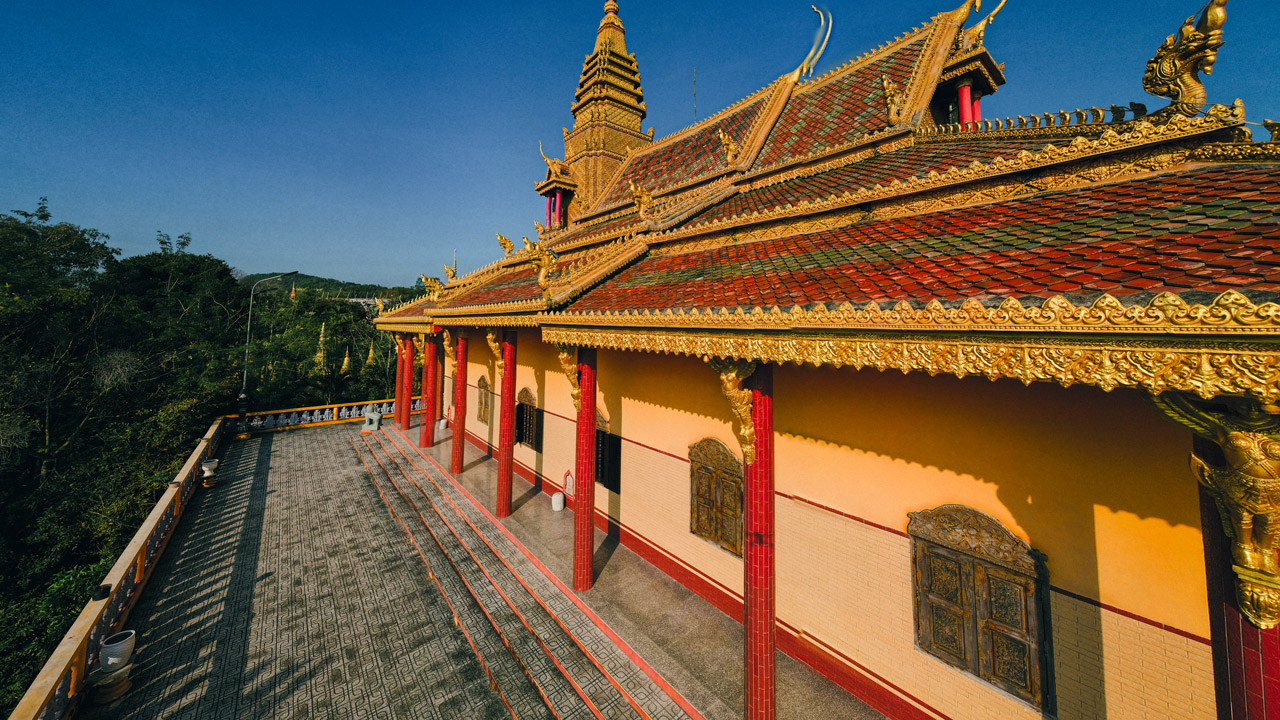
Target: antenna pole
[(695, 93)]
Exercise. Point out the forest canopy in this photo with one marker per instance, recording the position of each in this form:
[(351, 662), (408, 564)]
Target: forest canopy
[(110, 371)]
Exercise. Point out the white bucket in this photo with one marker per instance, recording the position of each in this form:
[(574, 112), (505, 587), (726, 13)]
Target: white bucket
[(116, 650), (557, 501)]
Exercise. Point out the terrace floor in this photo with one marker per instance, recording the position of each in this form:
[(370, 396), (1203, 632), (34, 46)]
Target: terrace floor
[(334, 574)]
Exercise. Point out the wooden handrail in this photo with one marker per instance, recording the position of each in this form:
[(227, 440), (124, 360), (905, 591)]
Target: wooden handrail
[(72, 657)]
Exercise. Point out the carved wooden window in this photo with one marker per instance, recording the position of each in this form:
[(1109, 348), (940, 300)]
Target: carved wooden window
[(528, 420), (978, 599), (715, 477), (484, 400), (608, 456)]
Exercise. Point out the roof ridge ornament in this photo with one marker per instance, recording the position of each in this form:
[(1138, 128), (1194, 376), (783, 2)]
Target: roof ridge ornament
[(974, 36), (819, 45), (1174, 71)]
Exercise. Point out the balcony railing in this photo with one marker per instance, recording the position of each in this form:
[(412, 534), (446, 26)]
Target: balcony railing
[(60, 685)]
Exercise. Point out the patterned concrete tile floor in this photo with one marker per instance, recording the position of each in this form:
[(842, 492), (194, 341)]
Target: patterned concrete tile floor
[(289, 591), (691, 644)]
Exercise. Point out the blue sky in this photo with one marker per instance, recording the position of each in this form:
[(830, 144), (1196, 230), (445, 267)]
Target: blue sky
[(369, 141)]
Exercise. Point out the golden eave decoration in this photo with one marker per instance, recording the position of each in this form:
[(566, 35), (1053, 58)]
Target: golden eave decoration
[(1231, 313), (1155, 365)]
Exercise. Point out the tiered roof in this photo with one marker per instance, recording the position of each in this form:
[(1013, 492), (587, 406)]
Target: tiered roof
[(841, 206)]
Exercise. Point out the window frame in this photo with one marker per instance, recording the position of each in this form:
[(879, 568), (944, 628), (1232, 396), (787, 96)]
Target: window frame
[(994, 594), (715, 512), (529, 418)]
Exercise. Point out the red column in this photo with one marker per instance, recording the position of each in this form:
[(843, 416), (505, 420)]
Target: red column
[(1246, 659), (459, 426), (559, 208), (584, 475), (757, 533), (406, 414), (427, 418), (965, 101), (507, 424), (977, 109), (399, 379), (550, 205)]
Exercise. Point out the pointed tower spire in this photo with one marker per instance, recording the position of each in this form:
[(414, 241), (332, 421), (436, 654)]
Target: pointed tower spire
[(607, 111), (346, 363), (320, 357), (370, 361)]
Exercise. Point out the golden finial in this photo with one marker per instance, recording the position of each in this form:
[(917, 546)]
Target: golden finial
[(1174, 71), (819, 46), (528, 246), (370, 360), (346, 363), (506, 244), (451, 272), (554, 166), (382, 306), (974, 36)]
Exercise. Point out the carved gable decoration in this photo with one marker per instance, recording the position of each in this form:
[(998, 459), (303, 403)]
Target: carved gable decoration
[(973, 533), (526, 396)]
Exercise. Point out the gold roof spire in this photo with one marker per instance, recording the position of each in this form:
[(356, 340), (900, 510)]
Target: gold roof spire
[(608, 109)]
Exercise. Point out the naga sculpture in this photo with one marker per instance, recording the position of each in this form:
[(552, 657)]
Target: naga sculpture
[(451, 272), (1246, 491), (730, 147), (544, 260), (1174, 71), (893, 99), (642, 198), (507, 245), (433, 287)]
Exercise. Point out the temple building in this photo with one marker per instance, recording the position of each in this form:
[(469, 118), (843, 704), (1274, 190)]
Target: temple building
[(909, 391)]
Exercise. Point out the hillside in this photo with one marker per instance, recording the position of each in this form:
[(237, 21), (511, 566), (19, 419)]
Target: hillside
[(330, 286)]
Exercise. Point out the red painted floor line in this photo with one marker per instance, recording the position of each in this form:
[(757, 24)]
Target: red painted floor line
[(457, 620), (524, 621), (576, 641), (470, 590), (600, 623)]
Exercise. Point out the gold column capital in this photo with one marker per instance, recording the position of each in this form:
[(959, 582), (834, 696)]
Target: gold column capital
[(1246, 490), (733, 373), (568, 356)]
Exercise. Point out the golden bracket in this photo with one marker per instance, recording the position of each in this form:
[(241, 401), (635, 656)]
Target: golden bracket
[(733, 373)]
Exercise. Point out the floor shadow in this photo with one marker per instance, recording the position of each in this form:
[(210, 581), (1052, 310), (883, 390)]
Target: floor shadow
[(527, 495), (600, 560)]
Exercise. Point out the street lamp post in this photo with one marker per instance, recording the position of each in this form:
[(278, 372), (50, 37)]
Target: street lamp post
[(243, 400)]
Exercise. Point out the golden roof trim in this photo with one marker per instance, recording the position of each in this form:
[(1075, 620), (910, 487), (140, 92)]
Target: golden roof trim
[(1248, 152), (489, 321), (1230, 313), (1150, 364)]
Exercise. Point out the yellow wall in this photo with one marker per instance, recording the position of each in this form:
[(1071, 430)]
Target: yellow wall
[(1097, 481)]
